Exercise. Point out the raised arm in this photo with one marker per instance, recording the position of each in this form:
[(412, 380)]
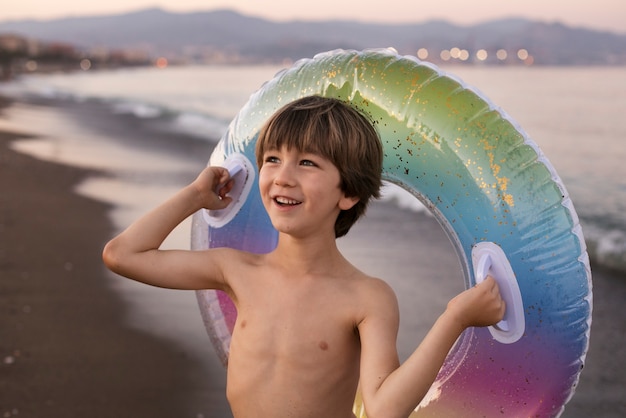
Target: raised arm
[(390, 391), (135, 252)]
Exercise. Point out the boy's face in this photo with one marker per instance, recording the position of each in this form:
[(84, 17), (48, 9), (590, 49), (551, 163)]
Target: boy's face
[(301, 192)]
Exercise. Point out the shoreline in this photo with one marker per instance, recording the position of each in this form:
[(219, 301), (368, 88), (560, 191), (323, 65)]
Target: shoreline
[(66, 345), (65, 351)]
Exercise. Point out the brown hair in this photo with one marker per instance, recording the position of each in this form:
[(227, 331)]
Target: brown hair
[(339, 133)]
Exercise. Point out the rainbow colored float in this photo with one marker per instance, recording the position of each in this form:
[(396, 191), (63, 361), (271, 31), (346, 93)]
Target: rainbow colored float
[(495, 194)]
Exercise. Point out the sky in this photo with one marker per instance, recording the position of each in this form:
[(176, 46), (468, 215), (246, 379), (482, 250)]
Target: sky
[(594, 14)]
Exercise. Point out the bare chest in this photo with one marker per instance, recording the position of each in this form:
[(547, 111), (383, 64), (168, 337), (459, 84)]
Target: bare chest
[(296, 342), (294, 321)]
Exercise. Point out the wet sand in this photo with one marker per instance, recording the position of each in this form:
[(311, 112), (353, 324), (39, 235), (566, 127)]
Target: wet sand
[(67, 350)]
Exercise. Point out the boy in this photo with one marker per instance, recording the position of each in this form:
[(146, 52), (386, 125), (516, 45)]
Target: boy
[(310, 326)]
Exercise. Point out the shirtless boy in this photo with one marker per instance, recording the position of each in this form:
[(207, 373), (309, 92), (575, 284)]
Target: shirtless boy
[(310, 325)]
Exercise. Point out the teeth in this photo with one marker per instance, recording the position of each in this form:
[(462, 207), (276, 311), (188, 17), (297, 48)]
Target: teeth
[(286, 201)]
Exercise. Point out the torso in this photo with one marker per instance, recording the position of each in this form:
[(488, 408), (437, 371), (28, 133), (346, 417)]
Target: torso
[(295, 348)]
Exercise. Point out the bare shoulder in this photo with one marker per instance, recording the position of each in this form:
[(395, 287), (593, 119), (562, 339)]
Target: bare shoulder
[(233, 261), (374, 287), (220, 266), (376, 297)]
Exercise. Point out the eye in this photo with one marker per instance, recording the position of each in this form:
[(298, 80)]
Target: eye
[(272, 159), (308, 163)]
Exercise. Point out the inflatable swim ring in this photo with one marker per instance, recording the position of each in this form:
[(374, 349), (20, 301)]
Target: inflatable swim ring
[(495, 194)]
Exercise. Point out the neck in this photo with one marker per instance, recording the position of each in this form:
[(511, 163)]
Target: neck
[(308, 256)]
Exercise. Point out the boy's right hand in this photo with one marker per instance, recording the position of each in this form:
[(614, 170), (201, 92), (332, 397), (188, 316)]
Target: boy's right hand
[(212, 186), (479, 306)]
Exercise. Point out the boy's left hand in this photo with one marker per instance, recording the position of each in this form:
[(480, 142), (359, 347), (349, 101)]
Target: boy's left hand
[(479, 306)]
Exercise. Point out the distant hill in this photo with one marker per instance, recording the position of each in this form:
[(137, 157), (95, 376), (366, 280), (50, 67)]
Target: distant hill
[(229, 36)]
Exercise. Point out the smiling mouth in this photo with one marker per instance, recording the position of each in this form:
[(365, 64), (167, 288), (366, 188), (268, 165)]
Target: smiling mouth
[(283, 201)]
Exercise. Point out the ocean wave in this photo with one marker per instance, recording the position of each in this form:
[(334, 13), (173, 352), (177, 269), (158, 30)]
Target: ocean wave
[(190, 123), (22, 89), (139, 110), (606, 247), (169, 118), (200, 125), (402, 199)]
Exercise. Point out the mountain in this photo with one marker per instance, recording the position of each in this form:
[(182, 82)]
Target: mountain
[(230, 36)]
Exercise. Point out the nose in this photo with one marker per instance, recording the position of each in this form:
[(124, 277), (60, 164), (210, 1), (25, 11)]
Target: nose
[(285, 175)]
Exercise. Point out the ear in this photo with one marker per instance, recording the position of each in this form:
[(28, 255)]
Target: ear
[(346, 202)]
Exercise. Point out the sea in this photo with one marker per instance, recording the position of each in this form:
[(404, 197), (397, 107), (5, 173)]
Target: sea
[(576, 115)]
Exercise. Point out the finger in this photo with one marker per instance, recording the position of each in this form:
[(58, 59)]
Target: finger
[(222, 181), (225, 188), (225, 201), (502, 309), (487, 282), (495, 289), (222, 175)]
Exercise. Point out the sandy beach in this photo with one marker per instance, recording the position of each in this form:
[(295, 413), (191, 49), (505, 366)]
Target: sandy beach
[(65, 347), (67, 350)]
